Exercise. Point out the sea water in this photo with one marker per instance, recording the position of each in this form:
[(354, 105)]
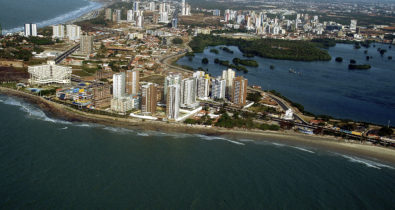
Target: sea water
[(15, 13), (48, 163)]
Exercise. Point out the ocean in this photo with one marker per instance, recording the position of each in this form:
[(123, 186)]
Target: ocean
[(47, 163), (324, 87), (14, 14)]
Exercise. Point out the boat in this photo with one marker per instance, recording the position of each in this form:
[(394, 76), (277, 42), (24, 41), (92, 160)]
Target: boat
[(291, 70)]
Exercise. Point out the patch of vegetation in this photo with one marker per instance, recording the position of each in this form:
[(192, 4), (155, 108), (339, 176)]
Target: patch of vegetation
[(339, 59), (177, 41), (245, 62), (205, 61), (214, 51), (268, 48), (359, 66)]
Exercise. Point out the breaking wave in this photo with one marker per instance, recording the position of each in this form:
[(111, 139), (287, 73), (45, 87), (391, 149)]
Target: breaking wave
[(31, 111), (367, 163), (62, 18), (211, 138)]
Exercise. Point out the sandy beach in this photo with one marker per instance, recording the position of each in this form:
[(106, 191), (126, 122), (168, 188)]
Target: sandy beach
[(326, 143)]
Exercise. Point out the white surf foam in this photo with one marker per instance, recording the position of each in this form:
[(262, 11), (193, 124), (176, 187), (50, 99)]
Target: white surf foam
[(367, 163), (212, 138), (65, 128), (302, 149), (142, 134), (278, 144), (32, 111), (62, 18)]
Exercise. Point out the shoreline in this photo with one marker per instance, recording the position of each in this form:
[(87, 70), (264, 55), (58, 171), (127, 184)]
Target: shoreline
[(61, 19), (290, 138)]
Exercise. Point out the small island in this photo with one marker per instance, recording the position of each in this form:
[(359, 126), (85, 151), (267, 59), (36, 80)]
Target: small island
[(359, 66), (215, 51), (246, 62)]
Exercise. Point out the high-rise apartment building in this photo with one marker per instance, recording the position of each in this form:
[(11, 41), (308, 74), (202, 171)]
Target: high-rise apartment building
[(228, 76), (118, 90), (58, 32), (171, 79), (188, 92), (136, 6), (130, 16), (108, 14), (151, 6), (73, 32), (132, 82), (239, 91), (101, 96), (218, 88), (139, 19), (173, 102), (148, 98), (30, 29), (86, 44), (353, 25)]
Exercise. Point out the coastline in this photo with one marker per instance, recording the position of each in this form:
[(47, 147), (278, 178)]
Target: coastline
[(325, 143), (66, 18)]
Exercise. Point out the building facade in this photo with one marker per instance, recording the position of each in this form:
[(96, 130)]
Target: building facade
[(239, 91), (148, 98), (118, 90), (101, 96), (86, 44), (218, 88), (49, 73), (173, 102), (188, 92), (132, 82), (30, 29)]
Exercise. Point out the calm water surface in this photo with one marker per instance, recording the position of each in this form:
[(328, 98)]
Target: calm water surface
[(324, 87)]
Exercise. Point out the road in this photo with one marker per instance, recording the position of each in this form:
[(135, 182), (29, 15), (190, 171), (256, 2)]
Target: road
[(64, 55)]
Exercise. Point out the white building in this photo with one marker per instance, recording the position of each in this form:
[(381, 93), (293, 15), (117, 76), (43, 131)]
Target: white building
[(188, 92), (173, 102), (136, 6), (353, 25), (151, 6), (58, 32), (218, 88), (203, 87), (139, 19), (30, 29), (171, 79), (228, 76), (164, 18), (124, 104), (185, 9), (118, 85), (288, 115), (73, 32), (49, 73), (130, 16)]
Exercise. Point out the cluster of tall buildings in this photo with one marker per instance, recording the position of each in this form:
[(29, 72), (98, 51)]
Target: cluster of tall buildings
[(135, 15), (262, 24), (71, 32), (183, 93), (185, 9), (125, 91), (164, 11)]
